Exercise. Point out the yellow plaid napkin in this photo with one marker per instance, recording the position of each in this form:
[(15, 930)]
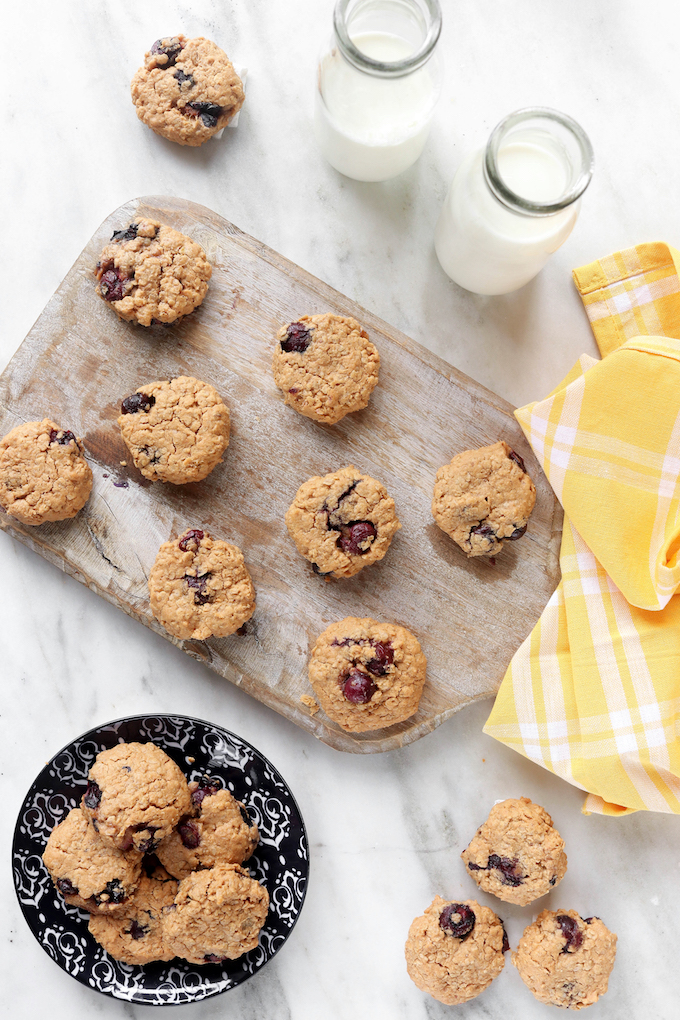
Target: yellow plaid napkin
[(593, 694)]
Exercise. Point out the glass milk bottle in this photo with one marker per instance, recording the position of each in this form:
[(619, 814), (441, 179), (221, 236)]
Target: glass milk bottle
[(377, 86), (514, 203)]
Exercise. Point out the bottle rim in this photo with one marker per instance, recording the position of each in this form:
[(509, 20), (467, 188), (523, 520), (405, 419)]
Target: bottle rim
[(510, 198), (387, 68)]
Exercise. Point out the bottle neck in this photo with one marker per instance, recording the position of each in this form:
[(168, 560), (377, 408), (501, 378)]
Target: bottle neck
[(415, 23)]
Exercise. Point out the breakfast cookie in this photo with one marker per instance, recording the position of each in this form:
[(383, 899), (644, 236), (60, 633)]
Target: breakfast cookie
[(566, 960), (367, 675), (517, 854), (342, 522), (88, 872), (43, 473), (200, 586), (136, 935), (135, 796), (218, 915), (150, 273), (187, 90), (455, 950), (325, 366), (483, 499), (220, 831), (176, 430)]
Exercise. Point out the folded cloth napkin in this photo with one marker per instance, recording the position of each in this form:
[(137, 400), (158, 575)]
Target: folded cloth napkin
[(593, 694)]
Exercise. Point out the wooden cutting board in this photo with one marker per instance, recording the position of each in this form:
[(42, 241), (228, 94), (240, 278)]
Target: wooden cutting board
[(79, 361)]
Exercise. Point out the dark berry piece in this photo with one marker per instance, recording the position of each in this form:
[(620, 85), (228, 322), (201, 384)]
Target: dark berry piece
[(211, 958), (208, 112), (571, 931), (483, 529), (517, 533), (92, 795), (136, 930), (137, 402), (191, 540), (507, 869), (297, 339), (356, 538), (244, 814), (506, 944), (518, 460), (475, 867), (66, 888), (553, 880), (589, 920), (129, 234), (358, 687), (170, 47), (113, 892), (384, 658), (321, 573), (457, 919), (183, 78), (63, 438), (206, 788), (198, 584), (112, 284), (189, 834)]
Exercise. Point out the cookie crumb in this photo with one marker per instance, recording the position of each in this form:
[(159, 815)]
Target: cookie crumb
[(309, 702)]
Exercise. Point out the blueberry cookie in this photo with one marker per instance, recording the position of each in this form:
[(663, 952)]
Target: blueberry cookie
[(200, 586), (150, 273), (367, 675), (176, 431), (135, 796), (43, 473), (325, 366), (88, 872), (220, 831), (483, 499), (187, 90), (342, 522), (217, 916), (565, 960), (455, 950), (517, 854), (137, 935)]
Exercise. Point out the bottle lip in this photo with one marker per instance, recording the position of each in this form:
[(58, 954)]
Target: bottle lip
[(386, 68), (508, 197)]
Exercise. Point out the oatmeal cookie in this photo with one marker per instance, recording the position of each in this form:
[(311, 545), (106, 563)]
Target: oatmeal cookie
[(43, 473), (136, 935), (342, 522), (325, 366), (150, 273), (566, 960), (218, 915), (176, 430), (135, 796), (455, 950), (88, 872), (517, 854), (483, 499), (187, 90), (200, 586), (220, 831), (367, 675)]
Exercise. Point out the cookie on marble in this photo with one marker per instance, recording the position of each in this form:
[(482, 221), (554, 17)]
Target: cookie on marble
[(199, 586), (483, 499), (135, 796), (367, 675), (150, 273), (566, 960), (217, 916), (220, 831), (325, 366), (176, 430), (88, 872), (187, 90), (43, 473), (342, 522), (455, 950), (137, 934), (517, 854)]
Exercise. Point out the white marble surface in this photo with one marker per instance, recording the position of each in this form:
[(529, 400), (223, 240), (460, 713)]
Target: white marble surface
[(385, 831)]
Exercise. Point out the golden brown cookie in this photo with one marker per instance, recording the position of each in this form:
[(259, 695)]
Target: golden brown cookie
[(43, 473), (367, 675), (88, 872), (176, 430), (325, 366), (218, 915), (483, 499), (565, 960), (200, 586), (517, 854), (150, 273), (455, 950), (135, 796), (187, 90), (342, 522)]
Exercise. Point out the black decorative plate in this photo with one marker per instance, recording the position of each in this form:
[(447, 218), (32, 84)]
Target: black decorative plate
[(280, 863)]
